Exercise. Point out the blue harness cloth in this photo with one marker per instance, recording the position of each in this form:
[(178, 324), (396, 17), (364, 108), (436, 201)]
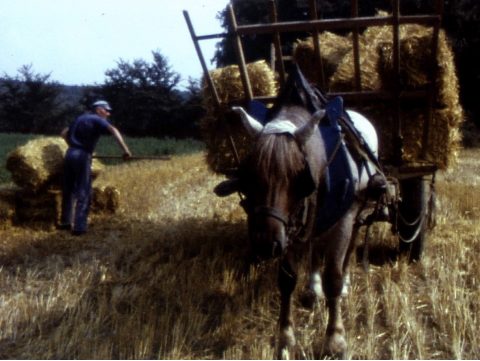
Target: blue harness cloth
[(339, 179)]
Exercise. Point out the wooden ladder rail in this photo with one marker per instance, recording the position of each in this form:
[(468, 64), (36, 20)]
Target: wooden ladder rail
[(356, 48), (397, 130), (247, 88), (277, 44), (209, 79), (432, 76), (313, 11)]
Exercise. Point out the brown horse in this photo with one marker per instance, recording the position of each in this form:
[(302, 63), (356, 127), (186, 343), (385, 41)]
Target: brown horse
[(284, 182)]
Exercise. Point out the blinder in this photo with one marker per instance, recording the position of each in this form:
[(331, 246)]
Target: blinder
[(307, 184), (227, 187)]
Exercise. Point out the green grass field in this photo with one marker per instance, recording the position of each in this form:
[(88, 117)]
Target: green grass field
[(106, 146)]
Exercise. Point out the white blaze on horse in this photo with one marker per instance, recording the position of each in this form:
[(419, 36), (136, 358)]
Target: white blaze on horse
[(286, 184)]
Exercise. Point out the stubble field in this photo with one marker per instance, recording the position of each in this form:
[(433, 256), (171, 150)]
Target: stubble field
[(166, 278)]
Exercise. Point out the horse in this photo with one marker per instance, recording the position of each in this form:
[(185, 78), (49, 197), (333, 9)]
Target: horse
[(284, 183)]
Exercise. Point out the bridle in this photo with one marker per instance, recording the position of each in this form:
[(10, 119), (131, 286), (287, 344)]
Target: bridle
[(294, 224), (272, 212)]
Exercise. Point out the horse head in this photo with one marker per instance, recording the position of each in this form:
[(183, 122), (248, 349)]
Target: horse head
[(280, 173)]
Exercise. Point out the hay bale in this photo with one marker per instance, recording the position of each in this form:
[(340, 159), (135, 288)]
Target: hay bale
[(444, 138), (333, 49), (38, 208), (218, 124), (38, 164), (376, 66), (344, 77), (35, 163), (105, 199)]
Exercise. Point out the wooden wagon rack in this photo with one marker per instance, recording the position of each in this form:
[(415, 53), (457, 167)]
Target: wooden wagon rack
[(354, 24)]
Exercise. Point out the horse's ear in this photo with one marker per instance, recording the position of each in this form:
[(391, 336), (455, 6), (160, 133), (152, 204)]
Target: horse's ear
[(303, 133), (253, 126)]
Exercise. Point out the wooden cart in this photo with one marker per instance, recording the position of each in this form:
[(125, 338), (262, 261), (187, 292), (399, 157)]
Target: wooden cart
[(416, 180)]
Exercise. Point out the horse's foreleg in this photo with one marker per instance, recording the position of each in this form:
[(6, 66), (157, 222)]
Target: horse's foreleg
[(287, 280), (335, 343), (313, 290), (346, 262)]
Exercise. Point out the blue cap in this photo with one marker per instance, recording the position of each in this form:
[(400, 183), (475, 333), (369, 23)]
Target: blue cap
[(102, 104)]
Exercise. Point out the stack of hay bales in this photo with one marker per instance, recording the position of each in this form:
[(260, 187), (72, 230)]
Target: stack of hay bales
[(376, 68), (219, 123), (37, 168)]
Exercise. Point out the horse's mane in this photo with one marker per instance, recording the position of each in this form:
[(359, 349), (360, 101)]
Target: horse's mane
[(279, 158)]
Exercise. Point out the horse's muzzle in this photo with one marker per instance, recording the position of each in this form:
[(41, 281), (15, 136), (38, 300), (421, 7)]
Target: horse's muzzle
[(268, 233)]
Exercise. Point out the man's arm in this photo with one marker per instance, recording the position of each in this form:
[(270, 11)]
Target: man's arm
[(64, 134), (118, 137)]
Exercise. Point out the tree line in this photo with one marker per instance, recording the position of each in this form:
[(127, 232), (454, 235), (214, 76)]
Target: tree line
[(145, 94)]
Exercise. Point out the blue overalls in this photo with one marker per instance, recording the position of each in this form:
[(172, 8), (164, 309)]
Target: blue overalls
[(82, 137)]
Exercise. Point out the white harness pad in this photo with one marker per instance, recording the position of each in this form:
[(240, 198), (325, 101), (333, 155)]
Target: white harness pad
[(279, 126)]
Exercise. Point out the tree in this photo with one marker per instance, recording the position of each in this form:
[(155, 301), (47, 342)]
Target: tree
[(143, 96), (461, 22), (29, 103), (191, 111), (255, 47)]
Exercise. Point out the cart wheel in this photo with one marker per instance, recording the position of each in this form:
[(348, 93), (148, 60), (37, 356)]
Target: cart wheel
[(412, 222)]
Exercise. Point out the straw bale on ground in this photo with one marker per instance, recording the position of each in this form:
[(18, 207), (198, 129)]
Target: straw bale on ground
[(218, 124), (44, 208), (38, 208), (38, 164), (105, 199)]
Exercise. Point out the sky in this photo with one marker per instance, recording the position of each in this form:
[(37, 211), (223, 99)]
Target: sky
[(76, 41)]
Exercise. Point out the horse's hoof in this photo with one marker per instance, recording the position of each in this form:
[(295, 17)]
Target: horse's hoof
[(283, 354), (335, 346), (346, 286), (286, 343)]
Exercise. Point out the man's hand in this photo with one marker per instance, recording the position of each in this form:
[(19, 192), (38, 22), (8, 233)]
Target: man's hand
[(126, 156)]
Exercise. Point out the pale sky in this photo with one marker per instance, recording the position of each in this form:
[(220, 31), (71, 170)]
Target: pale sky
[(78, 40)]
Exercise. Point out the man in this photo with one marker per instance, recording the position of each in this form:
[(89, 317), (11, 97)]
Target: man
[(82, 137)]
